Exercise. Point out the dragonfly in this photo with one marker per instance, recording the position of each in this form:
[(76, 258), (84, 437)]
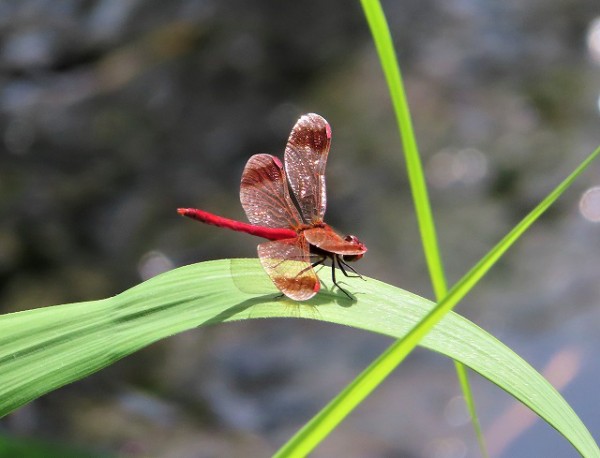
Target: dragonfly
[(286, 206)]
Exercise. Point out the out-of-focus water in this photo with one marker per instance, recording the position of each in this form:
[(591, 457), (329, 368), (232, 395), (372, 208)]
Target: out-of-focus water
[(115, 113)]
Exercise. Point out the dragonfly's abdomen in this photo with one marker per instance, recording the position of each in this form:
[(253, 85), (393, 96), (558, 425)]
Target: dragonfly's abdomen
[(268, 233)]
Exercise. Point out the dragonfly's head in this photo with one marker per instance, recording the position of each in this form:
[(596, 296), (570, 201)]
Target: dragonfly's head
[(361, 249)]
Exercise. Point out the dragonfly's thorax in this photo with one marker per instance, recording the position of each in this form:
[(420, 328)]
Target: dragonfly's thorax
[(324, 240)]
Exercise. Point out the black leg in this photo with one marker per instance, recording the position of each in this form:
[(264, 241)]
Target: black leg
[(343, 264), (333, 262), (318, 263), (312, 266)]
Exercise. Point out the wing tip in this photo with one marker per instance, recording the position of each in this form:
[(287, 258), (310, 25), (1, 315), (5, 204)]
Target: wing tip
[(315, 118), (305, 294)]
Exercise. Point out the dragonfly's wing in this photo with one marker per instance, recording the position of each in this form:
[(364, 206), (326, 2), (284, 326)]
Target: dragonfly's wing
[(264, 193), (287, 262), (305, 160)]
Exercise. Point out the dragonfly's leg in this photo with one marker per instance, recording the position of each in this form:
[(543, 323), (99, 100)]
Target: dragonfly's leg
[(319, 262), (343, 264), (312, 266), (333, 262)]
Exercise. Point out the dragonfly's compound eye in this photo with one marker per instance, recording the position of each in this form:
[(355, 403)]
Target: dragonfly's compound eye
[(358, 245), (353, 239)]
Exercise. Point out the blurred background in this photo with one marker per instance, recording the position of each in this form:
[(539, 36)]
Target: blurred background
[(113, 113)]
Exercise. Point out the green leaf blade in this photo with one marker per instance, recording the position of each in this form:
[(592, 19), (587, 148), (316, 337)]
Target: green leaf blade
[(47, 355)]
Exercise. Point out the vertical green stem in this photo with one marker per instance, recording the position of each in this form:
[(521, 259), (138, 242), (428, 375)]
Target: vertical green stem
[(391, 69)]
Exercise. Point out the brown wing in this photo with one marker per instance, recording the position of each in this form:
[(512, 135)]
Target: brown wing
[(288, 264), (264, 193), (305, 160)]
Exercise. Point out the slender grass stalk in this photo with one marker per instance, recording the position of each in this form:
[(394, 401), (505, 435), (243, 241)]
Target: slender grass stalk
[(393, 75), (391, 69), (463, 379)]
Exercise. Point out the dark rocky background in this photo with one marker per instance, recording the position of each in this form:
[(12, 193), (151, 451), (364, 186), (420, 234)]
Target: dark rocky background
[(113, 113)]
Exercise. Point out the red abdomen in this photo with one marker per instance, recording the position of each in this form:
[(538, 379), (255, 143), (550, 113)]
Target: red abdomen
[(268, 233)]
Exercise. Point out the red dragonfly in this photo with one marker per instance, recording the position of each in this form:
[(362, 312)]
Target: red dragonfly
[(299, 240)]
